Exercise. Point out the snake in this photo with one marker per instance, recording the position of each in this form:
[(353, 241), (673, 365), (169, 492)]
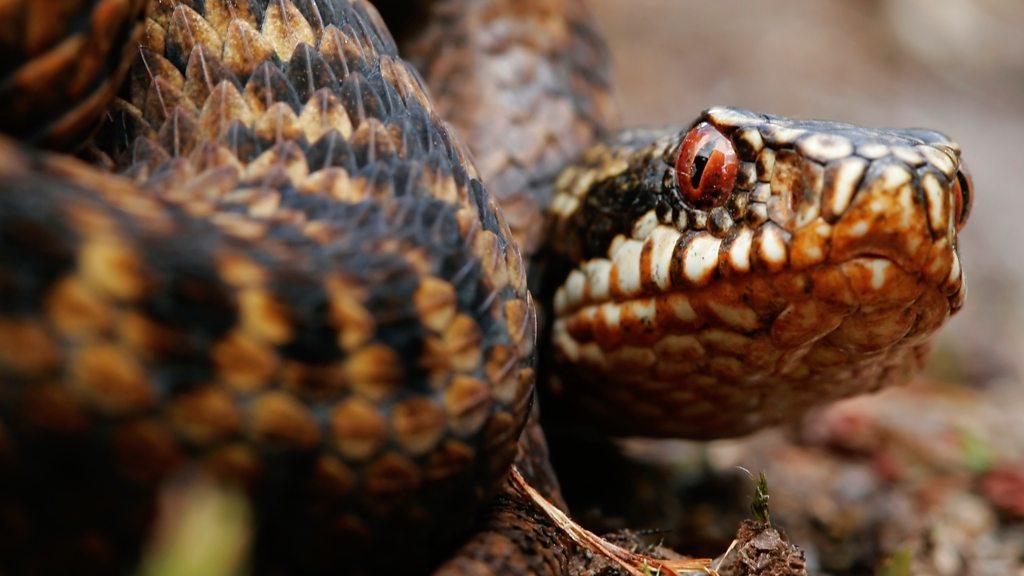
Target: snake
[(255, 240)]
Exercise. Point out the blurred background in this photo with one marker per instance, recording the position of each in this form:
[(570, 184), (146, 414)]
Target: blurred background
[(927, 479)]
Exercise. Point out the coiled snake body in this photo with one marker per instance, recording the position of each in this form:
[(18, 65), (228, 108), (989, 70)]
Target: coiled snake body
[(285, 271)]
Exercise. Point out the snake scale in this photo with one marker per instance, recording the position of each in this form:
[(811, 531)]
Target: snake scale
[(282, 267)]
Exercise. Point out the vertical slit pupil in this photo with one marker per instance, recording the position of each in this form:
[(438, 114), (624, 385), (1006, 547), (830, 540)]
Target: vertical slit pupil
[(965, 197), (699, 162), (706, 166)]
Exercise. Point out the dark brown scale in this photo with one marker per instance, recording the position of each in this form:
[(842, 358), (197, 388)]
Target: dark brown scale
[(545, 64), (76, 493), (61, 64), (613, 204)]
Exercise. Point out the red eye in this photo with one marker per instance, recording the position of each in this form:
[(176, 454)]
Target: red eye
[(706, 166), (963, 197)]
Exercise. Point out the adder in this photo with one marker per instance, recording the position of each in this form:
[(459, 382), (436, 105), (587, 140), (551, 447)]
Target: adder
[(275, 262)]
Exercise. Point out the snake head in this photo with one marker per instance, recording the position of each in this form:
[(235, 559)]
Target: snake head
[(754, 266)]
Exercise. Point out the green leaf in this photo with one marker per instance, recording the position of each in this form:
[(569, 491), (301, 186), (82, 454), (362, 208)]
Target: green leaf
[(209, 537), (898, 564)]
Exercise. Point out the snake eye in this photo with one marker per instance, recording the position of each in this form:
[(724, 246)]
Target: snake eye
[(706, 167), (963, 197)]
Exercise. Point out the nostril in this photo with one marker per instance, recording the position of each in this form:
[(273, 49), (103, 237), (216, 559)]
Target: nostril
[(963, 196)]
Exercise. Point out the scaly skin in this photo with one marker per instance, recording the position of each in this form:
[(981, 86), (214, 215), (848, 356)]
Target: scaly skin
[(819, 270), (62, 63), (527, 84), (299, 285), (307, 290)]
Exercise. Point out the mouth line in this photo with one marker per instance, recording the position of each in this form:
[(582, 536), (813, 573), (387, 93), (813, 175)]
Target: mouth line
[(574, 300), (784, 311)]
